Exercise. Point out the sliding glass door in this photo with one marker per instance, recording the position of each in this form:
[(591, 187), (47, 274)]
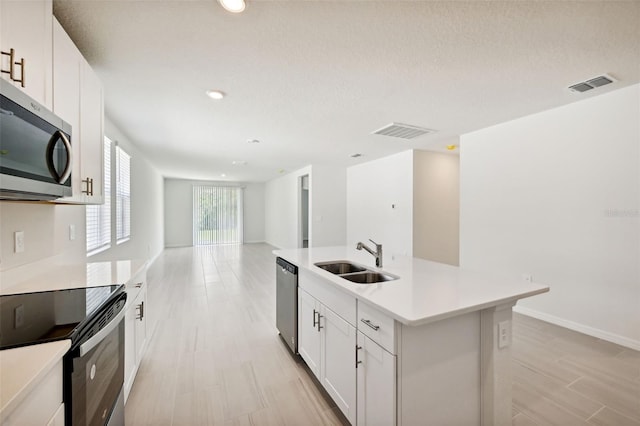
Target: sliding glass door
[(217, 215)]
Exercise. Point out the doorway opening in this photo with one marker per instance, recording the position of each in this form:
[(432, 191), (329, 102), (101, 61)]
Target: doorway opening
[(303, 240)]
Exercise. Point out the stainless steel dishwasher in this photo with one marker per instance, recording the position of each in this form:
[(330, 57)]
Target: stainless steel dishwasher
[(287, 302)]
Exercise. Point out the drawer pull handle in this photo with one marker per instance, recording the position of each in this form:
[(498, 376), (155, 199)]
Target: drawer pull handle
[(357, 360), (140, 311), (138, 285), (368, 322), (315, 321)]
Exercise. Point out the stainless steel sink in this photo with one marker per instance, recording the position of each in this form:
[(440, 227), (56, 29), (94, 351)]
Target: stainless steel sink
[(355, 273), (369, 277), (340, 267)]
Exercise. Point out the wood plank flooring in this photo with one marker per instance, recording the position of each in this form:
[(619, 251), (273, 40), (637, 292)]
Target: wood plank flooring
[(215, 358)]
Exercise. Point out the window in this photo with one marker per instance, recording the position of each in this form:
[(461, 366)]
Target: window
[(217, 215), (123, 195), (99, 217)]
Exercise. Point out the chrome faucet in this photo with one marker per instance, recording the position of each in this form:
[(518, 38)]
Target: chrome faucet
[(377, 254)]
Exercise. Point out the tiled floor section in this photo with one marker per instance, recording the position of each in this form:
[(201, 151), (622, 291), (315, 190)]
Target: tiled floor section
[(215, 358)]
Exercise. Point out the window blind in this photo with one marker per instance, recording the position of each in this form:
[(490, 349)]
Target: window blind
[(123, 195), (217, 215), (99, 217)]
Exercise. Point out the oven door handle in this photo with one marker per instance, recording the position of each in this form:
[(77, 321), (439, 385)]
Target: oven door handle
[(97, 338)]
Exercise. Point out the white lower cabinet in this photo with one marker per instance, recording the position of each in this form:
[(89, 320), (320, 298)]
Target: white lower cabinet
[(58, 417), (327, 342), (376, 384), (308, 332), (135, 330), (43, 405), (338, 367)]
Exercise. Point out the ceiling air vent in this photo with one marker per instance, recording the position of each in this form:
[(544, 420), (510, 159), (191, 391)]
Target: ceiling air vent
[(593, 83), (402, 131)]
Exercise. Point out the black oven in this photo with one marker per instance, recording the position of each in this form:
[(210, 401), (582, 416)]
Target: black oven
[(93, 368)]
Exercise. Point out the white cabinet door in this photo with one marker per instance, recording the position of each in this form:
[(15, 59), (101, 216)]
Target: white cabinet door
[(66, 97), (129, 348), (78, 99), (25, 27), (308, 331), (141, 324), (91, 135), (376, 384), (338, 372)]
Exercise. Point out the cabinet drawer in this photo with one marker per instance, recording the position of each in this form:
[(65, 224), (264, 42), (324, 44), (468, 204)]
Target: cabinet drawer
[(377, 326), (341, 303)]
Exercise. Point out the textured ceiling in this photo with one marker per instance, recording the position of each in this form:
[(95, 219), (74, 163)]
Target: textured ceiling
[(312, 79)]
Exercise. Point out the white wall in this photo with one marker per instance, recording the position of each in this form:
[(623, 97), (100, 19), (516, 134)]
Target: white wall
[(46, 226), (281, 219), (436, 206), (147, 212), (178, 211), (328, 194), (380, 203), (327, 204), (556, 195), (254, 213)]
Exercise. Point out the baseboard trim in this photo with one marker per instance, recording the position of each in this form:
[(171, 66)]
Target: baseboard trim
[(581, 328)]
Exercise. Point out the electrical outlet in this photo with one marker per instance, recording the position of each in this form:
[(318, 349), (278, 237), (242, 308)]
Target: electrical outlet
[(527, 277), (18, 316), (72, 232), (504, 334), (18, 241)]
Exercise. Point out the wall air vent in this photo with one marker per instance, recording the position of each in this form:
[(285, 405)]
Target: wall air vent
[(402, 131), (593, 83)]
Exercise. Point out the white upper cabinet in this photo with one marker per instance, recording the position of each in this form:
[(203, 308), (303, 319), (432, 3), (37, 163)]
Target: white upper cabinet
[(78, 99), (25, 42)]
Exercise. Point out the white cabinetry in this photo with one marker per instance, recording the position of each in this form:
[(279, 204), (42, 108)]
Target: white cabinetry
[(327, 340), (308, 331), (350, 362), (43, 405), (338, 365), (376, 384), (135, 330), (78, 99), (25, 31)]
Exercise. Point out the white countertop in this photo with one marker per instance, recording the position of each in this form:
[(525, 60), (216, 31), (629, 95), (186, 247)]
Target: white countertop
[(22, 369), (65, 276), (425, 292)]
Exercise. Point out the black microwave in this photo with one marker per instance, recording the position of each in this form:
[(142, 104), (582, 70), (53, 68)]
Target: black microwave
[(35, 149)]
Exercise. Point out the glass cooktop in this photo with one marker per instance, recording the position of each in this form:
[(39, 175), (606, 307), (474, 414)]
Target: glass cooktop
[(30, 318)]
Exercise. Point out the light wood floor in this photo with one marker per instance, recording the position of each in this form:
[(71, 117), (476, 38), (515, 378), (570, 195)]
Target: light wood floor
[(215, 357)]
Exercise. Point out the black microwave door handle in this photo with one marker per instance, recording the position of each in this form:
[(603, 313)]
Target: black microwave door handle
[(60, 178)]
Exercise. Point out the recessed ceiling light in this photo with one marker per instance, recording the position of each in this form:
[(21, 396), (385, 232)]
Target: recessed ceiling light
[(223, 175), (253, 141), (215, 94), (239, 163), (451, 147), (233, 6)]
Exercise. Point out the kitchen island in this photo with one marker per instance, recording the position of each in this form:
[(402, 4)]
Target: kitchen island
[(430, 347)]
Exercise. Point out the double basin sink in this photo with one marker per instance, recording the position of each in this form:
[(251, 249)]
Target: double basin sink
[(355, 273)]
